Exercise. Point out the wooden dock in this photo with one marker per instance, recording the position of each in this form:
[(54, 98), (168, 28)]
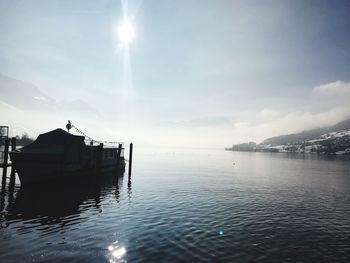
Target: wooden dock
[(5, 164)]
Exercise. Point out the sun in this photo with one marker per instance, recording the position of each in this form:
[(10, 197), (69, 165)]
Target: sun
[(126, 32)]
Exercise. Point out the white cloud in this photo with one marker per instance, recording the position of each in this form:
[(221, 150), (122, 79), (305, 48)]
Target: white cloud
[(40, 98), (209, 121), (299, 121), (334, 88), (267, 114), (242, 124)]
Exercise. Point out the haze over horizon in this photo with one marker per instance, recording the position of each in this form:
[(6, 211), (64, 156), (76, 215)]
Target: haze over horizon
[(202, 73)]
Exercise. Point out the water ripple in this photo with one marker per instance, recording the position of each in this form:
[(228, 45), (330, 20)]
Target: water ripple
[(192, 208)]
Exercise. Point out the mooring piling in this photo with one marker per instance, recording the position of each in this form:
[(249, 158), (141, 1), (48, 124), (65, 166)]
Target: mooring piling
[(13, 170), (130, 159), (12, 184), (13, 143), (5, 164)]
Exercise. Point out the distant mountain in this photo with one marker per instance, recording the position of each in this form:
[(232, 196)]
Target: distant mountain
[(307, 135), (23, 95), (328, 140), (26, 96)]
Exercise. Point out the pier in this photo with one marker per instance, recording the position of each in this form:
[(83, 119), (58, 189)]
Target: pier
[(4, 158), (4, 150)]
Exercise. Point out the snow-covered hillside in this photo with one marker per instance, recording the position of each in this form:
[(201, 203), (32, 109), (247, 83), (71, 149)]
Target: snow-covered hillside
[(328, 140)]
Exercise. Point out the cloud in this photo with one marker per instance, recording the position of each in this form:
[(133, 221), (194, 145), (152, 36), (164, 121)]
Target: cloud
[(40, 98), (242, 124), (77, 106), (210, 121), (267, 114), (200, 122), (336, 88)]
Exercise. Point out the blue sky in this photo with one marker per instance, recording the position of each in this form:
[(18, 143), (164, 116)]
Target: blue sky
[(204, 73)]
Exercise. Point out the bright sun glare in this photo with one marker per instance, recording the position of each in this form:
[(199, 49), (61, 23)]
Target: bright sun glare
[(126, 32)]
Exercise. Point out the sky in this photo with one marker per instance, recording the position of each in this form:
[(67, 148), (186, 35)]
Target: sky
[(199, 73)]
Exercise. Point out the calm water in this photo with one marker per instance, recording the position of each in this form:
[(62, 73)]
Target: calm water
[(188, 206)]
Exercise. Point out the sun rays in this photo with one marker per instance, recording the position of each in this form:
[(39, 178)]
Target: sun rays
[(125, 34)]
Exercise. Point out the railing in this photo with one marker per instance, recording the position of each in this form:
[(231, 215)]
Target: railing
[(88, 139)]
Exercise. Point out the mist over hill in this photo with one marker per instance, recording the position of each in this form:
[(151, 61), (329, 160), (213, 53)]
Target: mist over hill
[(307, 135), (333, 139)]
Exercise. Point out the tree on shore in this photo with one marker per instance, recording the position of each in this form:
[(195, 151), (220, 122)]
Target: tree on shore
[(24, 139)]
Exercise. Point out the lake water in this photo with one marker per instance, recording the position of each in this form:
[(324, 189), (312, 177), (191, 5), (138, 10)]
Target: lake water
[(188, 206)]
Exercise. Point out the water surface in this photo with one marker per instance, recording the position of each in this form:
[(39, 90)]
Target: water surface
[(187, 206)]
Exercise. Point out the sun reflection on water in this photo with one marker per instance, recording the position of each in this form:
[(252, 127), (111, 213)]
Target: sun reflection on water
[(116, 252)]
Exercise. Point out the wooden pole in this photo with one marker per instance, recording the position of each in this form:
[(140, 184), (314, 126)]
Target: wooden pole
[(12, 184), (118, 155), (13, 143), (6, 154), (13, 171), (130, 159)]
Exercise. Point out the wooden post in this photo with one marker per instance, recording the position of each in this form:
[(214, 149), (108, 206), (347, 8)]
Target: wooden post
[(13, 143), (118, 155), (13, 170), (6, 154), (12, 185), (130, 159)]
